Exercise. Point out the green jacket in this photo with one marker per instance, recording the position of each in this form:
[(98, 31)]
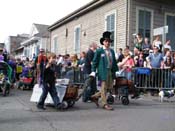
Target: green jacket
[(100, 63)]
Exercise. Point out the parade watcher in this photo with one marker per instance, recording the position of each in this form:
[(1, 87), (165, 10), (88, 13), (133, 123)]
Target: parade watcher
[(19, 68), (140, 60), (12, 64), (173, 69), (156, 63), (81, 61), (41, 62), (167, 75), (71, 71), (138, 44), (119, 55), (127, 64), (167, 54), (156, 58), (146, 47), (167, 45)]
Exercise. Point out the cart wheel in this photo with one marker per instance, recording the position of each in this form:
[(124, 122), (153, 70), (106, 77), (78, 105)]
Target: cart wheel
[(64, 105), (71, 103), (22, 87), (110, 99), (125, 100)]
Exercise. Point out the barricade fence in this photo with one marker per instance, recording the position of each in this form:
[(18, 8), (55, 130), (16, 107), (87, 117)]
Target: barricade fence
[(142, 77), (155, 78), (75, 75)]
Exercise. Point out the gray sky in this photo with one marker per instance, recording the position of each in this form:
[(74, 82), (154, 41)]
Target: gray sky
[(17, 16)]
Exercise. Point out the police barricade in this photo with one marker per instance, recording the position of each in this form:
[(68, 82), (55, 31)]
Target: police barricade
[(155, 78), (74, 74)]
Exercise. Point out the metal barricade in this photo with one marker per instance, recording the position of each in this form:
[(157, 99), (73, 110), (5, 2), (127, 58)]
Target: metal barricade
[(75, 75), (153, 78)]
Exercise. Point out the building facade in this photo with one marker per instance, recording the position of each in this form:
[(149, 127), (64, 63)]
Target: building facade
[(13, 43), (38, 38), (74, 33)]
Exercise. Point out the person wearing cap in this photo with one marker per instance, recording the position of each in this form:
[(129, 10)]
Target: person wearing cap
[(41, 62), (156, 58), (156, 62), (106, 65)]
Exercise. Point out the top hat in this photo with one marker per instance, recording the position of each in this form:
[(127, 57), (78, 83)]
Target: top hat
[(106, 36)]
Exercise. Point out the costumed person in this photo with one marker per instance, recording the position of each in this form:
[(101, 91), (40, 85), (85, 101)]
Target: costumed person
[(106, 65)]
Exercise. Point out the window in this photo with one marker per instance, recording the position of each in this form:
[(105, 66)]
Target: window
[(110, 25), (144, 22), (77, 33), (170, 21)]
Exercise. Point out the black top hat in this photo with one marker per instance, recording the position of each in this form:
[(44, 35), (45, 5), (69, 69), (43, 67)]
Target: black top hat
[(106, 36)]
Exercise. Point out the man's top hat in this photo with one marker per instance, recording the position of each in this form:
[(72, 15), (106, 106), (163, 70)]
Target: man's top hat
[(106, 36)]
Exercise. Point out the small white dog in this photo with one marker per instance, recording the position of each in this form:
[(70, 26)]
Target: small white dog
[(164, 93)]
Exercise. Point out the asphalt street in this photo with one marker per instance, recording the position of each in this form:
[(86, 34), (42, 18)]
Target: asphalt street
[(17, 113)]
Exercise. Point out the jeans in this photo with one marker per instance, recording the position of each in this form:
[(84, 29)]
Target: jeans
[(53, 93)]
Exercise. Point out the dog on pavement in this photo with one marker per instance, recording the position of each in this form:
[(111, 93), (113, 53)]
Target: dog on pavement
[(166, 93)]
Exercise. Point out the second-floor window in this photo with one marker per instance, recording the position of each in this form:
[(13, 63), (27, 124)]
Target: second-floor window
[(110, 25), (144, 22)]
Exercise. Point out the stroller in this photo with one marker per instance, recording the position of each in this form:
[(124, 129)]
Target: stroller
[(5, 78), (26, 79), (121, 89), (67, 92)]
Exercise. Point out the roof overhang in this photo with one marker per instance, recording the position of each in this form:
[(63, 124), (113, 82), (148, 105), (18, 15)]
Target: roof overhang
[(168, 2), (31, 40), (74, 15), (19, 49)]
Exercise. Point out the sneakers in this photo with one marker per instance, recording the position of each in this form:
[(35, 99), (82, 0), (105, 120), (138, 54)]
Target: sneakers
[(41, 107), (108, 107), (135, 96)]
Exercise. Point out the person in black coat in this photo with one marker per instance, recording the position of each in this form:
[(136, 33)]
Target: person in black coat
[(49, 84), (87, 70)]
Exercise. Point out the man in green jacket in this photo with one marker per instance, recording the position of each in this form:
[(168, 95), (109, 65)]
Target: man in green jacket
[(106, 65)]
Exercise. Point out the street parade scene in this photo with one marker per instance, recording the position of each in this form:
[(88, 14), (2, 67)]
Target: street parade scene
[(109, 65)]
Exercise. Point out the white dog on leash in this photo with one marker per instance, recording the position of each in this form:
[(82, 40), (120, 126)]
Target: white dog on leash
[(164, 93)]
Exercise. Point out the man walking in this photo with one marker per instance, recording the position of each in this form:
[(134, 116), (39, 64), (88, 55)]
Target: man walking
[(105, 63), (87, 70)]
